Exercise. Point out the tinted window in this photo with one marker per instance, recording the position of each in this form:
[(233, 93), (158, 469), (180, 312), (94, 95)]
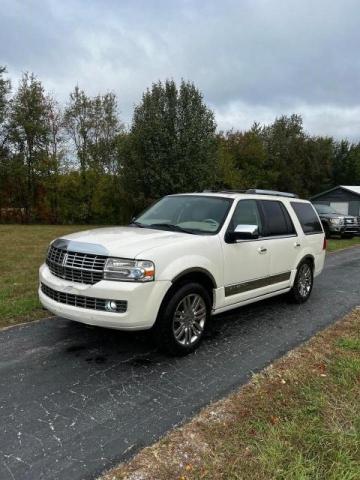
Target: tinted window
[(277, 219), (307, 217), (246, 213)]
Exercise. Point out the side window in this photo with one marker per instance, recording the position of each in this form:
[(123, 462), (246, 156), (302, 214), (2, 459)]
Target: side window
[(246, 213), (277, 219), (307, 218)]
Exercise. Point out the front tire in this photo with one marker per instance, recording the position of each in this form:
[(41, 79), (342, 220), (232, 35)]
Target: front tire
[(182, 319), (303, 283)]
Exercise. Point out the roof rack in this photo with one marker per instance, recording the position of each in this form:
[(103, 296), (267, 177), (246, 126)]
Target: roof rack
[(233, 191), (256, 191)]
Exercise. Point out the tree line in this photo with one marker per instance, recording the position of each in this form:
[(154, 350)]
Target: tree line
[(77, 163)]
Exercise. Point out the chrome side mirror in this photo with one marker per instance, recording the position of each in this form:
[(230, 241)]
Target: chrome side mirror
[(243, 232)]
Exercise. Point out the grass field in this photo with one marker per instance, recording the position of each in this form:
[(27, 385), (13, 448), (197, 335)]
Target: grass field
[(338, 244), (23, 249), (297, 420)]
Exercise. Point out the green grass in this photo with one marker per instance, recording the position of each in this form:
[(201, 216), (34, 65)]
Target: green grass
[(350, 344), (337, 244), (298, 420), (23, 249)]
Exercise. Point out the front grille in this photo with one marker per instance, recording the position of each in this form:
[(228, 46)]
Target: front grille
[(81, 301), (75, 266)]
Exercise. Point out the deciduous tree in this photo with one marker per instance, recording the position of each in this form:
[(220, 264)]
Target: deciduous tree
[(28, 133), (93, 126), (172, 142)]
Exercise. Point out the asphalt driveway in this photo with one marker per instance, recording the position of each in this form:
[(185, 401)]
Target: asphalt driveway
[(76, 400)]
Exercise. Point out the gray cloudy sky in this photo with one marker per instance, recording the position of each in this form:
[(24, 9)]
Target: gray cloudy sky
[(252, 59)]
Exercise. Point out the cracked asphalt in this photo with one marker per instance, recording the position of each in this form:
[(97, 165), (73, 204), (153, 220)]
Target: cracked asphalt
[(75, 401)]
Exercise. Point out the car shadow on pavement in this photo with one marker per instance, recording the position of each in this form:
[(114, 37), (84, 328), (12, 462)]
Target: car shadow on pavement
[(97, 345)]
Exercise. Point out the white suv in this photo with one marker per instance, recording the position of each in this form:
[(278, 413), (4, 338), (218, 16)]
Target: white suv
[(185, 258)]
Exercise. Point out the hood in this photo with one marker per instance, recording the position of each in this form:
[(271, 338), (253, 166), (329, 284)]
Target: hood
[(126, 242)]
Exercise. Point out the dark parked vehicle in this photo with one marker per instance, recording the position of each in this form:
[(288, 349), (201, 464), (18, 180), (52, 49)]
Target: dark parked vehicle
[(336, 223)]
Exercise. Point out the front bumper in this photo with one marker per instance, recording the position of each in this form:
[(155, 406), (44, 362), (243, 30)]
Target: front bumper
[(349, 228), (143, 301)]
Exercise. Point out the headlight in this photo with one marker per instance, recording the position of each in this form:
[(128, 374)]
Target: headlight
[(124, 270), (336, 221)]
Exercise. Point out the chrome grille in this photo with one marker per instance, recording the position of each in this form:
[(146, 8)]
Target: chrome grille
[(81, 301), (75, 266)]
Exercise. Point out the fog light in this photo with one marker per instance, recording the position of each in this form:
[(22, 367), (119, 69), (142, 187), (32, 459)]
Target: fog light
[(110, 306)]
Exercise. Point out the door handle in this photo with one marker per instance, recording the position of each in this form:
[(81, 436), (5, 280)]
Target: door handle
[(262, 250), (297, 244)]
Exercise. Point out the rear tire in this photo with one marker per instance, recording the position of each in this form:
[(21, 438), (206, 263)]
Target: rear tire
[(303, 283), (182, 320)]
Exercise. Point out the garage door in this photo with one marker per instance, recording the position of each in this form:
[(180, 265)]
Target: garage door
[(341, 207)]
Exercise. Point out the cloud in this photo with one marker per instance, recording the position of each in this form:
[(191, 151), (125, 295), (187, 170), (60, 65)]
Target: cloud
[(253, 59), (322, 120)]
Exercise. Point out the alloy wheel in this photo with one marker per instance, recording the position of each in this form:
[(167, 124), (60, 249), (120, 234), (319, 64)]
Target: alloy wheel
[(189, 319), (305, 280)]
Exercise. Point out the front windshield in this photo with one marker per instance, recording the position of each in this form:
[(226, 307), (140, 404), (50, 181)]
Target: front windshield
[(325, 209), (188, 213)]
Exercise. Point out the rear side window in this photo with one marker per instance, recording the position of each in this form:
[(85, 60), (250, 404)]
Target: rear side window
[(277, 219), (307, 218)]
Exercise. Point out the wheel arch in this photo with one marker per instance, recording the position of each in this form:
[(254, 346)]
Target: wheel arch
[(201, 274), (195, 274), (307, 257)]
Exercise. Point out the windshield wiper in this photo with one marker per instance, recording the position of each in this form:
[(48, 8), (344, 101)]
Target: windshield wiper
[(137, 224), (171, 226)]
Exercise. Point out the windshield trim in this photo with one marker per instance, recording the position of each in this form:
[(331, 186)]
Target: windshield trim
[(228, 200)]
